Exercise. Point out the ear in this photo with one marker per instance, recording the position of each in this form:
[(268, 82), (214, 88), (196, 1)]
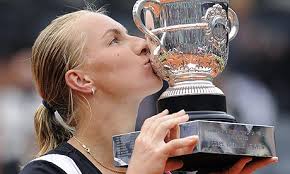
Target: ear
[(79, 81)]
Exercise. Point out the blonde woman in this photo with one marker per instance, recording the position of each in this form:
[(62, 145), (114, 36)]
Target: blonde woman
[(92, 76)]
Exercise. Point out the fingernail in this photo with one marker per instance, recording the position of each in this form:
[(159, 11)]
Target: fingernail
[(248, 159), (275, 159), (182, 111), (193, 137), (166, 110), (186, 116)]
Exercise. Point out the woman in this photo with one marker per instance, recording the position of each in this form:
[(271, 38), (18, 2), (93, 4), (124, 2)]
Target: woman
[(92, 76)]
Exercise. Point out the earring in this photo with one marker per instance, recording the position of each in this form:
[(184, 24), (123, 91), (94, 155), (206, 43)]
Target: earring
[(93, 91)]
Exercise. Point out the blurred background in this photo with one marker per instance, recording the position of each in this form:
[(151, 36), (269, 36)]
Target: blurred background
[(256, 81)]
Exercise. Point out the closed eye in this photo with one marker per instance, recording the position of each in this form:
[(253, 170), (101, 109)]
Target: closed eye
[(115, 34), (115, 40)]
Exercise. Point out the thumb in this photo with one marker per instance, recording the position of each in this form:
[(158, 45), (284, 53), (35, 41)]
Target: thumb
[(173, 164)]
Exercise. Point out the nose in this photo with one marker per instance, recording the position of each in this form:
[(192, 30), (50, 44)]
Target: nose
[(140, 46)]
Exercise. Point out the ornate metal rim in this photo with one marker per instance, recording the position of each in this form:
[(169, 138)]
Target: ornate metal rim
[(203, 1), (194, 88)]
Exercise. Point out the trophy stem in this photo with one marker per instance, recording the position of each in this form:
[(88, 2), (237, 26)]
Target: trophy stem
[(191, 87)]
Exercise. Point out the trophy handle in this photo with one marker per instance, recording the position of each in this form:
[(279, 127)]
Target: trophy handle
[(137, 9), (234, 24)]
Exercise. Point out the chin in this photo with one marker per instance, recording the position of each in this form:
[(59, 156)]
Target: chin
[(156, 86), (149, 86)]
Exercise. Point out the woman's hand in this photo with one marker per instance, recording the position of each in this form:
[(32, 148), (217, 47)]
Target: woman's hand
[(245, 166), (151, 151)]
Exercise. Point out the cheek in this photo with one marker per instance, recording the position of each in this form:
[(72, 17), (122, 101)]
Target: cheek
[(124, 63), (115, 71), (109, 63)]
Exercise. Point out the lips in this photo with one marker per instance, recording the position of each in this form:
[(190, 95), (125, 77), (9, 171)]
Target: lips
[(147, 61)]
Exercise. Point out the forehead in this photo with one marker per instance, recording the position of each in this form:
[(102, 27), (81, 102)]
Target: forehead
[(97, 24)]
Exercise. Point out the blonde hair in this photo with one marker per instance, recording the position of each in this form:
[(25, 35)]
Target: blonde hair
[(56, 50)]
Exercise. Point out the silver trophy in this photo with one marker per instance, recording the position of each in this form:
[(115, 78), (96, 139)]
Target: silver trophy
[(189, 40)]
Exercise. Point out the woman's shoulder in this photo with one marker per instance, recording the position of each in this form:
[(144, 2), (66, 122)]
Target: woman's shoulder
[(49, 163), (41, 167), (60, 160)]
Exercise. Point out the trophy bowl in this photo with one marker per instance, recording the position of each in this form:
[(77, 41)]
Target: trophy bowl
[(189, 40)]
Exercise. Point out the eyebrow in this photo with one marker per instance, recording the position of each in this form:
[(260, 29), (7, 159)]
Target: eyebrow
[(114, 30)]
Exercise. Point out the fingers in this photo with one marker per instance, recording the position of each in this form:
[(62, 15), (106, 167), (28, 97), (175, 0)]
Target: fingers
[(160, 120), (173, 115), (148, 122), (175, 133), (172, 134), (239, 166), (165, 125), (180, 146), (172, 165), (253, 166), (151, 152), (183, 151), (154, 122)]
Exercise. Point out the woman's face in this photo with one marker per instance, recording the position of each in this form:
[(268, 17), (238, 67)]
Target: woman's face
[(117, 63)]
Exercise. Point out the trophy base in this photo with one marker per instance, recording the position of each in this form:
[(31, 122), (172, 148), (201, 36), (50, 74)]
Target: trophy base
[(220, 144)]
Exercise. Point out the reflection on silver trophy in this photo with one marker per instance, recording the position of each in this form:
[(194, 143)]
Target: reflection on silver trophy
[(189, 40)]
